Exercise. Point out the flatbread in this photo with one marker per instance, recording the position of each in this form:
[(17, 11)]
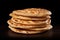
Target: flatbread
[(33, 12), (25, 31), (18, 25), (48, 27), (28, 18), (16, 20)]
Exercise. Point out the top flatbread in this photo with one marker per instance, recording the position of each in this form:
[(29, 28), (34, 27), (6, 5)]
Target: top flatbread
[(33, 12)]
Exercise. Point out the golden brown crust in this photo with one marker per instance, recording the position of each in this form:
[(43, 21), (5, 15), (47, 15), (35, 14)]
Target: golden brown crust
[(16, 20), (26, 31), (48, 27), (29, 18), (30, 21), (23, 31), (18, 25), (33, 12)]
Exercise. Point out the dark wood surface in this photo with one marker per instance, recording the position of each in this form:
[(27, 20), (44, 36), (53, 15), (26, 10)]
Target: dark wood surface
[(51, 34)]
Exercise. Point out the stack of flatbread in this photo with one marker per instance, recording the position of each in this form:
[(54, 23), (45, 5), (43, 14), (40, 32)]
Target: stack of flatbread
[(30, 21)]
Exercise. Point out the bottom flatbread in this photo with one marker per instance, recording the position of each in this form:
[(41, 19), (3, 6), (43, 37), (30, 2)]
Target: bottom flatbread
[(28, 31), (24, 32), (48, 27)]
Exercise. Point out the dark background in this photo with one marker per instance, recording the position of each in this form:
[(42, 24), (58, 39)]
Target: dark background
[(7, 6)]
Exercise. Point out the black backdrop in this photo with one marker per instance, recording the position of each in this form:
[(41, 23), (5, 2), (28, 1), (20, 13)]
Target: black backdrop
[(7, 6)]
